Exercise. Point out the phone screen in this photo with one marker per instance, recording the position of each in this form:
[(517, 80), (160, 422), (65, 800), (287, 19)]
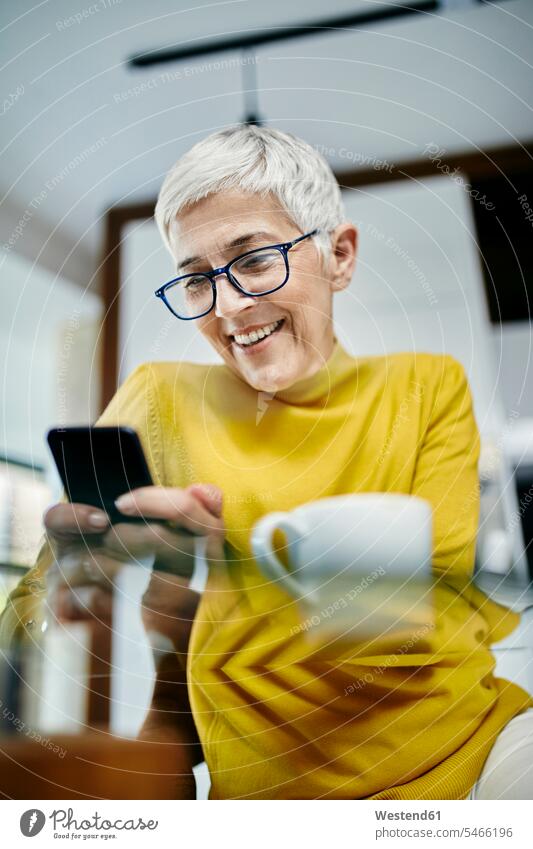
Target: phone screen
[(97, 464)]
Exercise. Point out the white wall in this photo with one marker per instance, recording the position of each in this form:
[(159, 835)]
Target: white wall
[(48, 372)]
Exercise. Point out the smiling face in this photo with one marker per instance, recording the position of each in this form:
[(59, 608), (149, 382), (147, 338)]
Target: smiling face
[(274, 340)]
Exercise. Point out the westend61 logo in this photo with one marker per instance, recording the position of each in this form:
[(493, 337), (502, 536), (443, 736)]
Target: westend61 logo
[(66, 825)]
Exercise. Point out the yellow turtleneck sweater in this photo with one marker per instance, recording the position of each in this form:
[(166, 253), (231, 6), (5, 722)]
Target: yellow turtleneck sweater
[(278, 714)]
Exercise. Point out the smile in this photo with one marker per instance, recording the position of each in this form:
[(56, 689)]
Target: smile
[(246, 340)]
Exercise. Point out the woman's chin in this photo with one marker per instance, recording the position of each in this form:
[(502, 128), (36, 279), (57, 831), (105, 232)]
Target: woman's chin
[(270, 379)]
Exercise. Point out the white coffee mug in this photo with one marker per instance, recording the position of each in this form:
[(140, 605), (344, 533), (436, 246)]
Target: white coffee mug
[(336, 538)]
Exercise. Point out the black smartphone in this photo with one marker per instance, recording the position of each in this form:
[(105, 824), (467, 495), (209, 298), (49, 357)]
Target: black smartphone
[(97, 464)]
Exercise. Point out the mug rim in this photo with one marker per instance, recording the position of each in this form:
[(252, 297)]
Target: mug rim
[(367, 496)]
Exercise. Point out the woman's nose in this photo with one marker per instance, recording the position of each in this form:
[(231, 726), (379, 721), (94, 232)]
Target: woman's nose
[(229, 300)]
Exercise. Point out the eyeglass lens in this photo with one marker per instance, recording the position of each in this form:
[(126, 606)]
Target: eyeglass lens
[(256, 273)]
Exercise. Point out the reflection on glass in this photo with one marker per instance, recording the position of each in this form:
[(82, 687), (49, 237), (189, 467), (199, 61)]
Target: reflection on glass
[(294, 687)]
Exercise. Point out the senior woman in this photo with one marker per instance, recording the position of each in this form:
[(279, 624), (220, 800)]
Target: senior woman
[(254, 220)]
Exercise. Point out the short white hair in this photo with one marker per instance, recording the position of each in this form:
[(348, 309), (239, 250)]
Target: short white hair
[(261, 161)]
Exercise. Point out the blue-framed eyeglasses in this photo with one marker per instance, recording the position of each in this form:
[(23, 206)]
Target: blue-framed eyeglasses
[(255, 273)]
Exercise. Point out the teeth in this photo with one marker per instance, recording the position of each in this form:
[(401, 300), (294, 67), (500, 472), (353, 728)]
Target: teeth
[(256, 335)]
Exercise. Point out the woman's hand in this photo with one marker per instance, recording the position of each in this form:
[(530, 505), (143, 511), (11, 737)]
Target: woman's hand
[(173, 520), (197, 509)]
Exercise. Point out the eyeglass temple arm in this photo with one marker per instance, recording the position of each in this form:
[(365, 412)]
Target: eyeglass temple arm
[(301, 238)]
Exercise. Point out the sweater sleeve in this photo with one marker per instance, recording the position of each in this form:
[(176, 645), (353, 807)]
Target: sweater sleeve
[(446, 472), (133, 405)]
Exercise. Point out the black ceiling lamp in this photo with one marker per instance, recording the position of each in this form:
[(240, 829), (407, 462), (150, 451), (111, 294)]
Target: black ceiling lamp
[(248, 42), (249, 88)]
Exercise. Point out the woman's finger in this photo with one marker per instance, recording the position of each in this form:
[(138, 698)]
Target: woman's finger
[(175, 505), (70, 519), (210, 496), (138, 540)]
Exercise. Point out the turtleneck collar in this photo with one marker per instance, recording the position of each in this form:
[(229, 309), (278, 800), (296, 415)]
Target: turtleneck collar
[(315, 389), (322, 383)]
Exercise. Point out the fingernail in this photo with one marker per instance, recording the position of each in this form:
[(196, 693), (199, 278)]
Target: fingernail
[(98, 520), (125, 503)]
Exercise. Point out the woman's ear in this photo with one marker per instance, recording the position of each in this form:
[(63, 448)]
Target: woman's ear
[(343, 255)]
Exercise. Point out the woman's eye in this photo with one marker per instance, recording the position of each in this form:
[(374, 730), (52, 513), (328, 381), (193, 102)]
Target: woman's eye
[(194, 282), (256, 263)]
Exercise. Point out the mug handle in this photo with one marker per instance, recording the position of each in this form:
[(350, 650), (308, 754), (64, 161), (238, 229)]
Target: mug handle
[(261, 540)]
